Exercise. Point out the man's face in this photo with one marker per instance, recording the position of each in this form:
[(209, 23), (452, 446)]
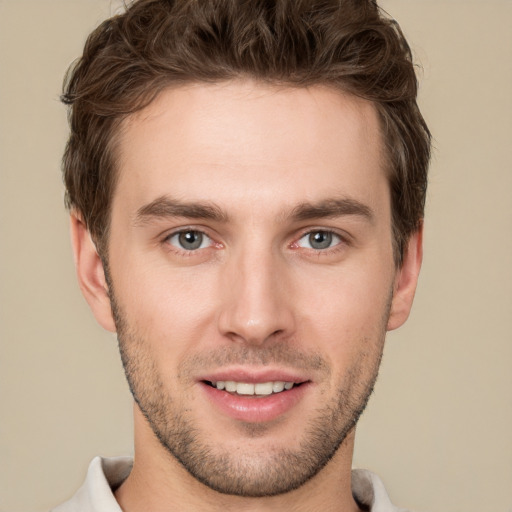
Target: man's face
[(251, 250)]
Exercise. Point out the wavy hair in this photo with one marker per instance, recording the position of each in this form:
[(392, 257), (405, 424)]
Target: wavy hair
[(351, 45)]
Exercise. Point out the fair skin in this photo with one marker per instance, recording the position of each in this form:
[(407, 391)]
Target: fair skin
[(250, 242)]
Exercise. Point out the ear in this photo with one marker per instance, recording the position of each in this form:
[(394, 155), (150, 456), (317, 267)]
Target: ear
[(406, 280), (90, 273)]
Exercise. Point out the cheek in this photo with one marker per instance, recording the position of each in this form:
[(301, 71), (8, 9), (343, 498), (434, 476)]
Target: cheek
[(345, 308), (170, 309)]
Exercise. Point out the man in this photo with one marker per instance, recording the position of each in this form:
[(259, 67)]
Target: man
[(246, 182)]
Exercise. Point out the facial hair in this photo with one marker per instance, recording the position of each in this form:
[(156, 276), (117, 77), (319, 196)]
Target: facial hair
[(247, 474)]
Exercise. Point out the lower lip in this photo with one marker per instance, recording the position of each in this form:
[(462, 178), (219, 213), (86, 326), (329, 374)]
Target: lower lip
[(254, 409)]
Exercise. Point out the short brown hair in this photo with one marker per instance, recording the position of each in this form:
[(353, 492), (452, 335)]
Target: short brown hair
[(350, 45)]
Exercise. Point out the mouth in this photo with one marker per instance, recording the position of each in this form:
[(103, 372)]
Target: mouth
[(259, 389), (255, 396)]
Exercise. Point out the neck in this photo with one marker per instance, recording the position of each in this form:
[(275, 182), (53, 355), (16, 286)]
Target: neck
[(159, 482)]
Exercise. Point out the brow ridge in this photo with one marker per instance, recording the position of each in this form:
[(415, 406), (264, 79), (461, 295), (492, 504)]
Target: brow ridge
[(165, 206), (335, 207)]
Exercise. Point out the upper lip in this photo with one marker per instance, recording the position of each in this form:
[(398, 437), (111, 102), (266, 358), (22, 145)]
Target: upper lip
[(255, 375)]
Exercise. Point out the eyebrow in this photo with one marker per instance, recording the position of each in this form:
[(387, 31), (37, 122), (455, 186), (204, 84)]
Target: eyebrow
[(332, 208), (165, 206)]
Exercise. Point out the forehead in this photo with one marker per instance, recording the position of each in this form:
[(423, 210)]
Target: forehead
[(246, 140)]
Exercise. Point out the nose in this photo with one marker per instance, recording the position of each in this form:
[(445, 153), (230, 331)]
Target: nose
[(258, 301)]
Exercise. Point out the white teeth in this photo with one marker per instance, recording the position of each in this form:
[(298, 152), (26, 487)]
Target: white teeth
[(230, 386), (246, 388), (277, 387), (263, 388)]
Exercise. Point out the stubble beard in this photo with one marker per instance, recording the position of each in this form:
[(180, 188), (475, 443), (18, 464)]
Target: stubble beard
[(247, 474)]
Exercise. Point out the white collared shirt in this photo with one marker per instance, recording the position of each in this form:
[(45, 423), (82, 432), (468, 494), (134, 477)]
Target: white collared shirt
[(106, 474)]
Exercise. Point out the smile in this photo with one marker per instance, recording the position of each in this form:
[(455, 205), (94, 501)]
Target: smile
[(255, 394), (257, 389)]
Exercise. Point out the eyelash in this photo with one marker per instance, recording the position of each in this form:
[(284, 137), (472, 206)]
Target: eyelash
[(342, 241), (182, 250)]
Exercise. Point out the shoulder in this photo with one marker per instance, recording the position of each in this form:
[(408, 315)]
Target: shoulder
[(96, 494), (370, 493)]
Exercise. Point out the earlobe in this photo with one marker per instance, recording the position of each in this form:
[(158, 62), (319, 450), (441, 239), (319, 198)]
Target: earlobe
[(90, 273), (406, 281)]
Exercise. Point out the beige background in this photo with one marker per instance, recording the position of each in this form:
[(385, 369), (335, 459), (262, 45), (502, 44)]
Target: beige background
[(438, 429)]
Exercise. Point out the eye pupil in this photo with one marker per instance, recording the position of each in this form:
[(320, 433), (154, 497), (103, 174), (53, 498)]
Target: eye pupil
[(320, 239), (190, 240)]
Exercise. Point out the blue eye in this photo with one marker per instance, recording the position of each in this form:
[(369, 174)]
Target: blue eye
[(319, 240), (189, 240)]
